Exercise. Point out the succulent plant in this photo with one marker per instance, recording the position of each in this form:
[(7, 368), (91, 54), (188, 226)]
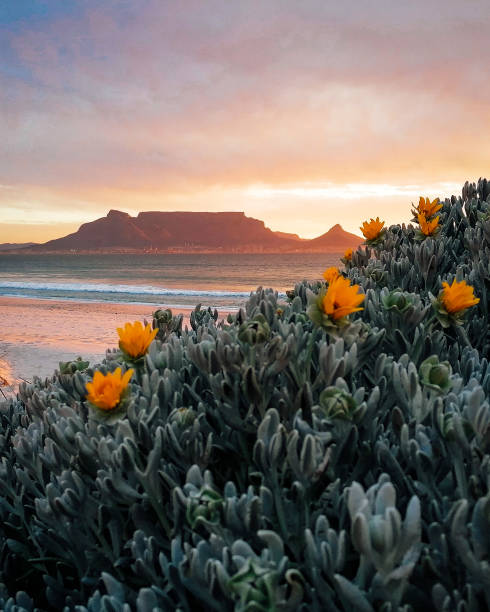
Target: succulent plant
[(281, 459), (254, 331), (385, 542), (166, 323), (336, 403), (70, 367), (398, 300), (435, 375)]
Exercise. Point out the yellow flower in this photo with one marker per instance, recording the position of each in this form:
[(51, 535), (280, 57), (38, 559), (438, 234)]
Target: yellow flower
[(134, 339), (428, 208), (341, 298), (348, 254), (105, 391), (331, 274), (428, 227), (458, 296), (372, 229)]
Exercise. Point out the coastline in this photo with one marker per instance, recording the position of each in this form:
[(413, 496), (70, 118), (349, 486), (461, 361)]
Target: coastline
[(37, 334), (327, 250)]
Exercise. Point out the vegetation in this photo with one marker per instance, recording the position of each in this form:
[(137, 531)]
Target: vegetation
[(330, 451)]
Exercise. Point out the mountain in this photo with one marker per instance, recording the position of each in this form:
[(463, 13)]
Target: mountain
[(335, 240), (117, 229), (10, 246), (290, 236), (192, 231)]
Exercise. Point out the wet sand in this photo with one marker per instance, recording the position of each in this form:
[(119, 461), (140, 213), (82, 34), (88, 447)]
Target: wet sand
[(35, 335)]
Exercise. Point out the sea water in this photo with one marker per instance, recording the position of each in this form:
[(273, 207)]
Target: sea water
[(174, 280)]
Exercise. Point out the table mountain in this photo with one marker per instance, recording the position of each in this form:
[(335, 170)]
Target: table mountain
[(193, 231)]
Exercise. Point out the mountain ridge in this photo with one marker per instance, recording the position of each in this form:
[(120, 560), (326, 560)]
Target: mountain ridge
[(8, 246), (187, 231)]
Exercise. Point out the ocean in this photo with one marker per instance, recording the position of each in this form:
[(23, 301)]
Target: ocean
[(173, 280)]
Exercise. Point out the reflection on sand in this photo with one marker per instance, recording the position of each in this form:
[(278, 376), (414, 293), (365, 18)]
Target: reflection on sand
[(59, 331)]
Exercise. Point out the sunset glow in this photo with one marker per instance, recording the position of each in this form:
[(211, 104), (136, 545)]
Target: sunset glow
[(300, 114)]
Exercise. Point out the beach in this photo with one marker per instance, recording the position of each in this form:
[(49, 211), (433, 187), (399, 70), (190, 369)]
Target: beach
[(37, 334), (54, 308)]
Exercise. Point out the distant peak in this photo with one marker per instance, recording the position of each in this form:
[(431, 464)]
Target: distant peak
[(117, 213), (336, 228)]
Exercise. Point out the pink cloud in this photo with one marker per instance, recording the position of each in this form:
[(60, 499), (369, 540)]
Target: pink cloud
[(177, 98)]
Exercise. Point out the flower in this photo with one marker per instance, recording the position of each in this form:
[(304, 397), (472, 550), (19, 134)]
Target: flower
[(457, 297), (106, 391), (348, 254), (452, 302), (428, 208), (134, 339), (330, 306), (371, 230), (341, 298), (331, 274), (428, 228)]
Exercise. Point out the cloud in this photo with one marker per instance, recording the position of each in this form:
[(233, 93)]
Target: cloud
[(183, 100)]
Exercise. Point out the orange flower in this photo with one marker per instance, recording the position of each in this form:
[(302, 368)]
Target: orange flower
[(457, 296), (348, 254), (331, 274), (428, 228), (134, 339), (372, 229), (428, 208), (341, 298), (105, 391)]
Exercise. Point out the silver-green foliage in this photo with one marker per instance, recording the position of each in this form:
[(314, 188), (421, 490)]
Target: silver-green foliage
[(265, 463)]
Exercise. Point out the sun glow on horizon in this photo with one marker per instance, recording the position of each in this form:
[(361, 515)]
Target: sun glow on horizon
[(160, 107), (307, 209)]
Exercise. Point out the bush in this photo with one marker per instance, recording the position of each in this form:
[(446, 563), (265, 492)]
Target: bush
[(267, 463)]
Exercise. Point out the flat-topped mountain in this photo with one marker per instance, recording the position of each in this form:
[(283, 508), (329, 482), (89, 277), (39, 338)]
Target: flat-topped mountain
[(193, 231)]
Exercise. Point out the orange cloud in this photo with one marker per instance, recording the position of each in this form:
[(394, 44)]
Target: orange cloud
[(181, 106)]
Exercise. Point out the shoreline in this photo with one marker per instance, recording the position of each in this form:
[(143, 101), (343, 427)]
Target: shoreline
[(334, 249), (176, 308), (37, 334)]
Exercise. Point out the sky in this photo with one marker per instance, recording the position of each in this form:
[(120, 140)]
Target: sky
[(302, 113)]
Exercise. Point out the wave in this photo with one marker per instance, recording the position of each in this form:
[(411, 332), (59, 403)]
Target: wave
[(79, 300), (119, 289)]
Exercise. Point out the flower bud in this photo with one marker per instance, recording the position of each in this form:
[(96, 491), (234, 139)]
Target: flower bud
[(436, 375), (337, 404), (255, 331)]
